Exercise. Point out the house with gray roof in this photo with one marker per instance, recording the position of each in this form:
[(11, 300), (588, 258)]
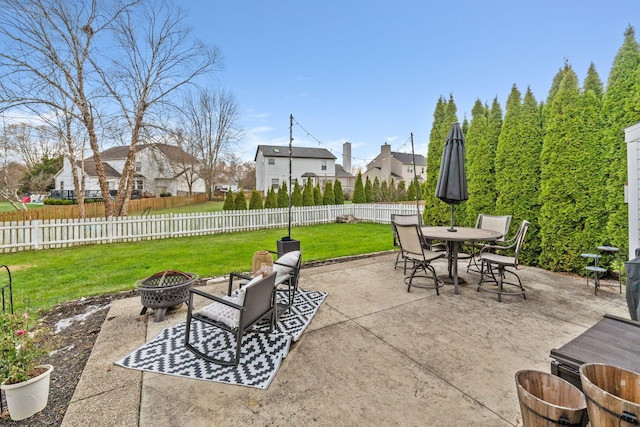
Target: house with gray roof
[(272, 166), (390, 165), (160, 168)]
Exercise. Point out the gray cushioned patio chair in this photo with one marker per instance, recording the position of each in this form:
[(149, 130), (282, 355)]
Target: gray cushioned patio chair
[(492, 258), (499, 223), (413, 250), (234, 313)]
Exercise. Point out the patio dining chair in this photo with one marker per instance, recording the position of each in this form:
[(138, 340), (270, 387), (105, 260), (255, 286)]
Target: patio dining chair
[(413, 250), (492, 258), (236, 313), (499, 223), (402, 219)]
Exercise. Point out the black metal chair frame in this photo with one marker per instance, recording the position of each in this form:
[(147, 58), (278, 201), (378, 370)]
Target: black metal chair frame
[(291, 282), (414, 251), (490, 259), (477, 246), (259, 303)]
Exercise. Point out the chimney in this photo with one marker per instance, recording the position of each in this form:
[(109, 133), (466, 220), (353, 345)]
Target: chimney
[(346, 157), (385, 150)]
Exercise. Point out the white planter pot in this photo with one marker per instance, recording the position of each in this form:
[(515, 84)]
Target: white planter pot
[(28, 397)]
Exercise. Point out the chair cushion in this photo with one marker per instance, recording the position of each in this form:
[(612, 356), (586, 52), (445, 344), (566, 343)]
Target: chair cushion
[(287, 262), (225, 314)]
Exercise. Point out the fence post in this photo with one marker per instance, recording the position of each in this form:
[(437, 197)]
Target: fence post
[(110, 229), (36, 233)]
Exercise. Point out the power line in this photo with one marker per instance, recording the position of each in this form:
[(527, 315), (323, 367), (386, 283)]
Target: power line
[(309, 134)]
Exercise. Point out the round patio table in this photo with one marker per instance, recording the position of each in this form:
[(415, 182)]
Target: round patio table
[(453, 239)]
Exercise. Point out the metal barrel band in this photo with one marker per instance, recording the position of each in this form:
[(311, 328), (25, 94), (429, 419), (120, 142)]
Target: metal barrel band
[(561, 421), (626, 416)]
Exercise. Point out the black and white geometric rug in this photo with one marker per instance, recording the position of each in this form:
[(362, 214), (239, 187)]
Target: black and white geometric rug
[(261, 355)]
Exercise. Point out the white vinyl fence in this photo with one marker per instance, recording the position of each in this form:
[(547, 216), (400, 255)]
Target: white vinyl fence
[(47, 234)]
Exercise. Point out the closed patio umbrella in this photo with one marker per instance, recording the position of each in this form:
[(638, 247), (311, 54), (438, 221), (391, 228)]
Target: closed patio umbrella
[(452, 182)]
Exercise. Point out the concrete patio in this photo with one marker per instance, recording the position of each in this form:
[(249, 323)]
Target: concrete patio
[(373, 355)]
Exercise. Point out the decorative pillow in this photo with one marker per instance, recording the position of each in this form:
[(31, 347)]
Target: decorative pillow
[(286, 263), (225, 314)]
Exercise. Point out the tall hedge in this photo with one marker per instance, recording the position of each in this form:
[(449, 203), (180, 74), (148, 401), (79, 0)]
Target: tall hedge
[(474, 141), (271, 201), (518, 169), (436, 212), (317, 195), (229, 202), (618, 113), (564, 179), (241, 201)]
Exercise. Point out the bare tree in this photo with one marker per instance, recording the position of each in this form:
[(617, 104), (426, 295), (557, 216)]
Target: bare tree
[(97, 55), (159, 60), (211, 127), (31, 143), (46, 46), (188, 165)]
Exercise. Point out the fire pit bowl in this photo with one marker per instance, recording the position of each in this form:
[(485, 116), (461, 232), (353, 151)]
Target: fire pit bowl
[(165, 289)]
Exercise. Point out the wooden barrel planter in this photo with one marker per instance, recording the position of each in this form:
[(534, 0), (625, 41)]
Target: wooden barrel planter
[(613, 395), (548, 400)]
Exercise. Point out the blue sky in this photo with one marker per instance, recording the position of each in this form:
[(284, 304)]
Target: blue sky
[(371, 71)]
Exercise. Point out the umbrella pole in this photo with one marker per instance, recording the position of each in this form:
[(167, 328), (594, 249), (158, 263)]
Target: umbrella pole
[(452, 229)]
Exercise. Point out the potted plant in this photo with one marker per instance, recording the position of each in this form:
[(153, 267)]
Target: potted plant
[(23, 378)]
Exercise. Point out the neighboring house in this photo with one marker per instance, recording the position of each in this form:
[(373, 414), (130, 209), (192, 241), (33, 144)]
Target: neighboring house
[(272, 166), (160, 168), (390, 165)]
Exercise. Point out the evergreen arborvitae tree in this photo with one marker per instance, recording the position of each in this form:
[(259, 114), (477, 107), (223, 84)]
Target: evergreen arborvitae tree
[(618, 113), (401, 191), (271, 201), (377, 194), (411, 191), (338, 194), (482, 178), (317, 195), (296, 194), (393, 191), (241, 201), (328, 198), (384, 191), (368, 191), (474, 141), (283, 196), (256, 200), (358, 191), (592, 175), (307, 194), (564, 179), (229, 202), (518, 169), (436, 212)]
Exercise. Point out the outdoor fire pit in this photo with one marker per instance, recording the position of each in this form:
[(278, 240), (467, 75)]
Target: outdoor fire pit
[(163, 290)]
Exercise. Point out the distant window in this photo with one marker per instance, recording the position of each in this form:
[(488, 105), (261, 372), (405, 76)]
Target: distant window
[(323, 165), (138, 184), (275, 183), (62, 185), (138, 166), (271, 161), (410, 169)]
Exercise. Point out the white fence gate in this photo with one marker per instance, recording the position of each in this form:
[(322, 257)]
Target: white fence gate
[(47, 234)]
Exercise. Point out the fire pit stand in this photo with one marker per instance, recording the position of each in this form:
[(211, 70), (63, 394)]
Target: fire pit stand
[(163, 290)]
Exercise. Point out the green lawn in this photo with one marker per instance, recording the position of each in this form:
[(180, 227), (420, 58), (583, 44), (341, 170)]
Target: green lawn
[(214, 206), (45, 278)]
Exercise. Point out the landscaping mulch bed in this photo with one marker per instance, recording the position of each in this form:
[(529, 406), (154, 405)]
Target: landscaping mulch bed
[(76, 325)]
